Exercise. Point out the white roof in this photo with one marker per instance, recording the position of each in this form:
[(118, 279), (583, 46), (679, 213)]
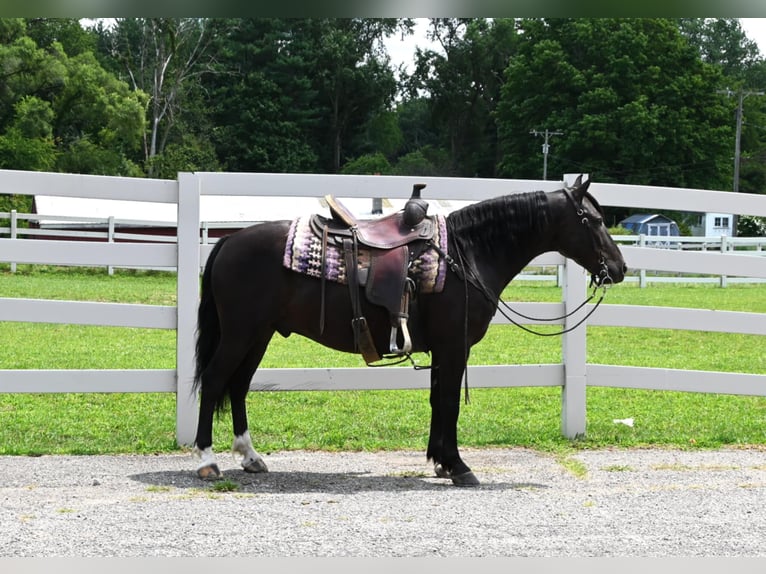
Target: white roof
[(215, 209)]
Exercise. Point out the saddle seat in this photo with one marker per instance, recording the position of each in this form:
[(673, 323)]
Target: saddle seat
[(385, 232), (393, 242)]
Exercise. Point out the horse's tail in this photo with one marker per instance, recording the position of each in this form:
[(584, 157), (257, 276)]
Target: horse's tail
[(208, 327)]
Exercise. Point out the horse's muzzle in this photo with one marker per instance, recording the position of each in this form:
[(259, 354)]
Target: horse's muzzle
[(609, 273)]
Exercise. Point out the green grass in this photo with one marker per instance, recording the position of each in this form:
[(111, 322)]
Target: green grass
[(371, 420)]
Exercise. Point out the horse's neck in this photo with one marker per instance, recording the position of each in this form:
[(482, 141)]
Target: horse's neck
[(498, 262), (509, 263)]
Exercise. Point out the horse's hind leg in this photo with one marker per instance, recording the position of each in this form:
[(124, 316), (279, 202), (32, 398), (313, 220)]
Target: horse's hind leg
[(207, 469), (251, 460), (227, 365)]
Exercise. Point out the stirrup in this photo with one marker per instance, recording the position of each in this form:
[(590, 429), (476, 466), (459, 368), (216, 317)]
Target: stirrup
[(406, 345)]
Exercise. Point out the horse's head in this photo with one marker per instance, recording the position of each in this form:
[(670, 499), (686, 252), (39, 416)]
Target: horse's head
[(583, 236)]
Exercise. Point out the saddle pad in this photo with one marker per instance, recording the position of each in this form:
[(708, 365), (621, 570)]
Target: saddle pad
[(303, 254)]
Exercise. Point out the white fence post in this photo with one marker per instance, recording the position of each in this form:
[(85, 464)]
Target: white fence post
[(110, 239), (724, 249), (188, 289), (573, 409), (642, 272), (573, 346), (14, 226)]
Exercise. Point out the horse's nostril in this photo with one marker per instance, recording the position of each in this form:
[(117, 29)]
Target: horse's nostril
[(624, 267)]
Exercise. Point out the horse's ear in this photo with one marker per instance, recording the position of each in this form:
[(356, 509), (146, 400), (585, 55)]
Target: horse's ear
[(579, 188)]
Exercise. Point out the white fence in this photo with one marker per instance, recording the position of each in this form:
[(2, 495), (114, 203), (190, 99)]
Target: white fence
[(113, 229), (187, 254)]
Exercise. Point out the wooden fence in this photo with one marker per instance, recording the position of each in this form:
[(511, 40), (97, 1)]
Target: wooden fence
[(188, 253)]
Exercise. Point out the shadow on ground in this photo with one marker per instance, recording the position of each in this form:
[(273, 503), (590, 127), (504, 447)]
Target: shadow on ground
[(302, 482)]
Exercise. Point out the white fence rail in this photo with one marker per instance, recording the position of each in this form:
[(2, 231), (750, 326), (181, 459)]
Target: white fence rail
[(187, 254), (108, 229)]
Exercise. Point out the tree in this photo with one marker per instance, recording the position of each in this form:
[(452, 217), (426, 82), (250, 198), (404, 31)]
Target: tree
[(260, 100), (461, 83), (633, 98), (67, 32), (368, 164), (300, 94), (62, 113), (160, 57), (353, 79), (723, 42), (28, 142)]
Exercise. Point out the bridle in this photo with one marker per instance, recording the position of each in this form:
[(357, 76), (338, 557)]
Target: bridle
[(599, 282), (603, 278)]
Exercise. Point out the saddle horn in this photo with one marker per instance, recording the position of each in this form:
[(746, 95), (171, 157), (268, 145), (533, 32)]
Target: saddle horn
[(415, 209)]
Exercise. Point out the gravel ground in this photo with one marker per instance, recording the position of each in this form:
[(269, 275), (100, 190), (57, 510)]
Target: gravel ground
[(648, 503)]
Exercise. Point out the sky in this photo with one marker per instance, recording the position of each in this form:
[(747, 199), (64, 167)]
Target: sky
[(755, 28), (403, 50)]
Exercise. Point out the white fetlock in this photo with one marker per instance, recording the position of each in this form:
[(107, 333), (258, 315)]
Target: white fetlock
[(251, 460), (207, 468)]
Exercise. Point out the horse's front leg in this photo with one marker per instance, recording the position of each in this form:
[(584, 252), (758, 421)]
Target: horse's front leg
[(434, 452), (445, 410), (251, 460), (243, 445)]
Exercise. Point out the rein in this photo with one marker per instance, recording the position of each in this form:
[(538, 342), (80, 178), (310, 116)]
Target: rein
[(469, 274)]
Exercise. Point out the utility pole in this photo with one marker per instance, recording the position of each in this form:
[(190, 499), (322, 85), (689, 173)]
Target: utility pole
[(546, 147), (742, 94)]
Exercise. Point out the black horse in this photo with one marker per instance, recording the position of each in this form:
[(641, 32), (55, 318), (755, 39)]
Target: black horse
[(248, 294)]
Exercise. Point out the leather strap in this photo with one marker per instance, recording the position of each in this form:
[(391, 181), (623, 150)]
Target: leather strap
[(323, 279), (362, 338)]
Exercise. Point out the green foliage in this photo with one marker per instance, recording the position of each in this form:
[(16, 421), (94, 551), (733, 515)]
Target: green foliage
[(464, 82), (619, 230), (751, 226), (416, 163), (300, 94), (723, 42), (68, 32), (635, 101), (638, 99), (383, 134), (191, 154), (370, 164), (163, 58), (59, 112)]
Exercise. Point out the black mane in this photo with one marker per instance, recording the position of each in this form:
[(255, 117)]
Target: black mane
[(500, 223)]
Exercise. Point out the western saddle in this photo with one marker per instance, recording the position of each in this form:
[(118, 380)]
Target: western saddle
[(393, 242)]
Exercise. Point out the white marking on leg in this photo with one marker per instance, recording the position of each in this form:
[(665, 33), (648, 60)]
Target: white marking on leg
[(206, 456), (251, 460)]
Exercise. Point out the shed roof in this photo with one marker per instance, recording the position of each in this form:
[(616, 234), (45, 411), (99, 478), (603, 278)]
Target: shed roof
[(645, 217)]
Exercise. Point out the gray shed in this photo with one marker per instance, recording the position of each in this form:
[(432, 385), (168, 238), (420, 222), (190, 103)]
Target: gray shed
[(651, 224)]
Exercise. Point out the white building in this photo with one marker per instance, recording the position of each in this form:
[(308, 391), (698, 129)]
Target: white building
[(715, 225)]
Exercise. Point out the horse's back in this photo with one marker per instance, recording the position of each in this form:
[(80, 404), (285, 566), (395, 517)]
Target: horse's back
[(261, 242), (249, 264)]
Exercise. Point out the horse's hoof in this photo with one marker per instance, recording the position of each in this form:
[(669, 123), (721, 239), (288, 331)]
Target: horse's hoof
[(441, 472), (255, 466), (209, 472), (465, 479)]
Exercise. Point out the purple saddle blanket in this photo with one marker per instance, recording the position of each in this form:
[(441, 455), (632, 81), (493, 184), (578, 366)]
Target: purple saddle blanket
[(303, 254)]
